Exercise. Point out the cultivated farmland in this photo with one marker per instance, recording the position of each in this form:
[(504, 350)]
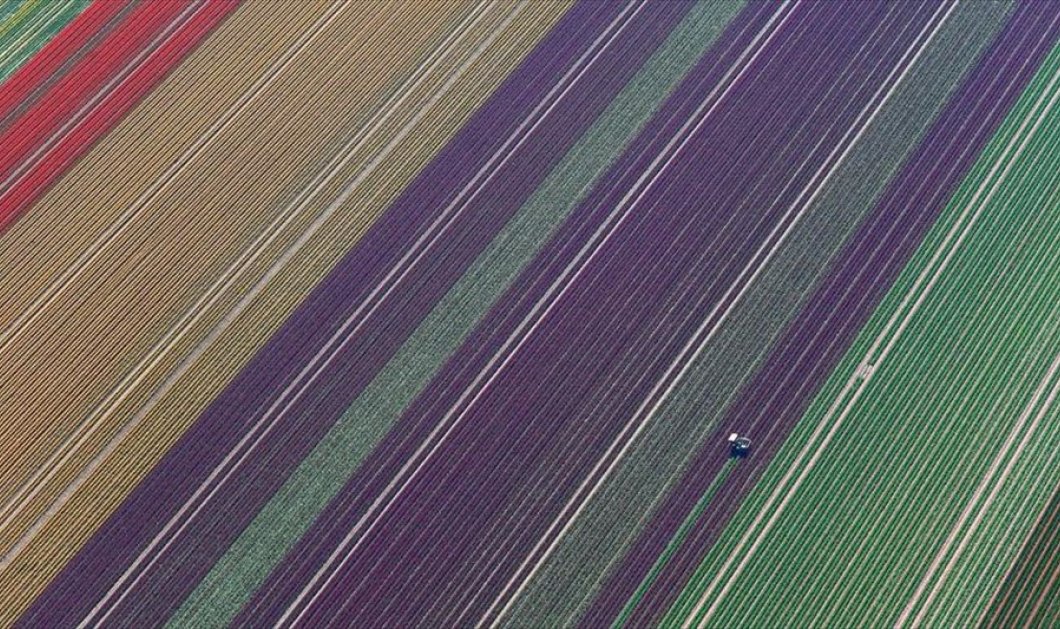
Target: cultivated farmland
[(204, 213), (1030, 595), (25, 27), (906, 489), (523, 313)]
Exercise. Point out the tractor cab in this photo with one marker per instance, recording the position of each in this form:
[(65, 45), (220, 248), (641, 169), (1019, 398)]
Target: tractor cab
[(739, 446)]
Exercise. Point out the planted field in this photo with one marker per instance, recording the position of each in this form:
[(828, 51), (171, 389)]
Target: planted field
[(908, 486), (84, 81), (177, 283), (1031, 592), (533, 313), (26, 26)]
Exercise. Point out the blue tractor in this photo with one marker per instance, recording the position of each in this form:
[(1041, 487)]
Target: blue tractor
[(739, 446)]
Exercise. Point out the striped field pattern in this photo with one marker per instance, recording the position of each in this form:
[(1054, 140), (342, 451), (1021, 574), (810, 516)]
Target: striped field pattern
[(440, 313)]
